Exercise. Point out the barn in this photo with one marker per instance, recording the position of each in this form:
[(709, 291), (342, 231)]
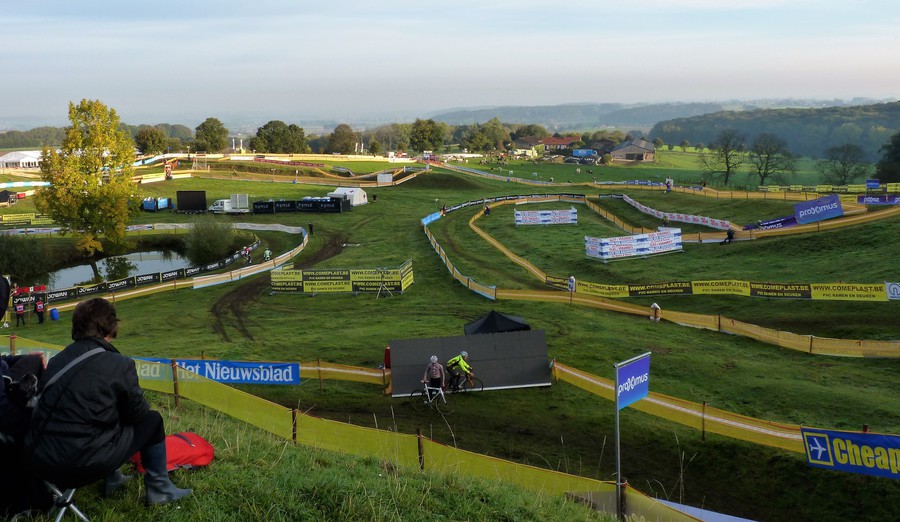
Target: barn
[(634, 150)]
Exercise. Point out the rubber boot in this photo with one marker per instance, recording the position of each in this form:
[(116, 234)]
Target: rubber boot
[(160, 489), (114, 481)]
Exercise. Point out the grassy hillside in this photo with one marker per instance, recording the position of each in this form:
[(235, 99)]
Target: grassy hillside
[(562, 427), (256, 476)]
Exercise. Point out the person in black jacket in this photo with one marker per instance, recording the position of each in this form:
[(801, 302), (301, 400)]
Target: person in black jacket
[(93, 417)]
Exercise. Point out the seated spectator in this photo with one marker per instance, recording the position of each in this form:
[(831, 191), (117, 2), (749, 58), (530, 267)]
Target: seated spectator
[(91, 416)]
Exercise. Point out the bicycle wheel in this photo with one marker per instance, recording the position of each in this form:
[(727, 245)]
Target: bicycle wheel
[(443, 405), (474, 384), (418, 400)]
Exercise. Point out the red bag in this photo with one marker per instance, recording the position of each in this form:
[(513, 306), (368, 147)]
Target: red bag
[(183, 450)]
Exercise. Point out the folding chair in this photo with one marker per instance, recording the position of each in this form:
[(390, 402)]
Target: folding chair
[(62, 501)]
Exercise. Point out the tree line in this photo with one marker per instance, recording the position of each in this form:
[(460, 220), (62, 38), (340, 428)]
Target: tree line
[(767, 159), (806, 132)]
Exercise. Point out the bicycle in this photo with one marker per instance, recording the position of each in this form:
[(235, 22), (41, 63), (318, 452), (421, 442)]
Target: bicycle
[(430, 397), (469, 383)]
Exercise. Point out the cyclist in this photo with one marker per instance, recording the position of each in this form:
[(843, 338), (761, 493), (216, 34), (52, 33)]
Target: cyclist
[(457, 367), (435, 376)]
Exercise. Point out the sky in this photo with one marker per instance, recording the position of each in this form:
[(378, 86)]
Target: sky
[(185, 61)]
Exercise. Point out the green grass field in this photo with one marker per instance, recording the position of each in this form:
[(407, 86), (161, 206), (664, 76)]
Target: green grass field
[(562, 427)]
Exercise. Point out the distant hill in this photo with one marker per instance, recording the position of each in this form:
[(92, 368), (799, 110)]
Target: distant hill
[(808, 131), (578, 116)]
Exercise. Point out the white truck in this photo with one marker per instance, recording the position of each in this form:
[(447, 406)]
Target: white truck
[(237, 204)]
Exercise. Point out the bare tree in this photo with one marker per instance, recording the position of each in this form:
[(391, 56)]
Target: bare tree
[(843, 164), (725, 156), (770, 157)]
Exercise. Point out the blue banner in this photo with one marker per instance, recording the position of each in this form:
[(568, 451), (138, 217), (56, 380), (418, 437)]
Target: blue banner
[(782, 222), (632, 381), (583, 153), (878, 200), (873, 184), (818, 209), (853, 452), (238, 372)]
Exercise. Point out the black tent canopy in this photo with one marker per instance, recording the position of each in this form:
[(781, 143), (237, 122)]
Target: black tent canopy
[(495, 322)]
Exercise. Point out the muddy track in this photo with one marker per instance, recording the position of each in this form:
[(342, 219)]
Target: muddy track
[(232, 305)]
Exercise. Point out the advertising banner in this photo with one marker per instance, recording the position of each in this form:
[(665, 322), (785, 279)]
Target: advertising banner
[(863, 453), (719, 224), (236, 372), (789, 290), (121, 284), (668, 240), (892, 290), (878, 200), (632, 380), (782, 222), (873, 184), (818, 209), (343, 280), (546, 217), (722, 287), (672, 288), (848, 292)]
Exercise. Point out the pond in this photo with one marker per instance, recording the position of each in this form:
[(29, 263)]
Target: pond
[(118, 267)]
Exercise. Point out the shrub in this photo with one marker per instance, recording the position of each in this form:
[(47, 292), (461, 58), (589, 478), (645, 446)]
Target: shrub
[(209, 240)]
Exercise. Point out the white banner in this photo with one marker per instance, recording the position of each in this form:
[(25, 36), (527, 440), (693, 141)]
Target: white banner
[(546, 217), (637, 245), (720, 224)]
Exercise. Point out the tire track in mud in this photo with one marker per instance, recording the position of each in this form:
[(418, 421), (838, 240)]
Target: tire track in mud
[(232, 305)]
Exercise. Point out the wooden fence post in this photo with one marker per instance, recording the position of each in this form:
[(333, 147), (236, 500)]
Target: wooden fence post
[(703, 423), (12, 344), (294, 425), (421, 449), (319, 366), (175, 383)]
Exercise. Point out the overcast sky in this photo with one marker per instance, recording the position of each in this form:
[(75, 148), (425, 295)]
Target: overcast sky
[(180, 62)]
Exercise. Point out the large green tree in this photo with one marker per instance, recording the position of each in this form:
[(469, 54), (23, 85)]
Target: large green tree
[(531, 129), (342, 141), (426, 135), (91, 193), (151, 140), (769, 157), (725, 156), (888, 168), (843, 164), (279, 137), (210, 136)]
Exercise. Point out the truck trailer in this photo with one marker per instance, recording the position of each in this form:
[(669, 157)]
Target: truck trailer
[(237, 204)]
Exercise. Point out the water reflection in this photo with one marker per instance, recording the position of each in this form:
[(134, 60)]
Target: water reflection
[(117, 267)]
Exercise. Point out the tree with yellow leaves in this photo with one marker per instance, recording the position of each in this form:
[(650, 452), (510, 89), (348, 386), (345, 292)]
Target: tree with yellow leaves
[(92, 194)]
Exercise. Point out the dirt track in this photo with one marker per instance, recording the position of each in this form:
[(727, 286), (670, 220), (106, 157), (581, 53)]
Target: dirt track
[(232, 305)]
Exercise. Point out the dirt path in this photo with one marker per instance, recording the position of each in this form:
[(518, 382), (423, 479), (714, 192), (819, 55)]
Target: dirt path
[(232, 305)]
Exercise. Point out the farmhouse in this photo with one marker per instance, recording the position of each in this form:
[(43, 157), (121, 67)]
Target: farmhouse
[(21, 159), (634, 150), (552, 143)]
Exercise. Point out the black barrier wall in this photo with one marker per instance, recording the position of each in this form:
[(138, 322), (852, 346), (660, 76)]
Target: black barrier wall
[(501, 360)]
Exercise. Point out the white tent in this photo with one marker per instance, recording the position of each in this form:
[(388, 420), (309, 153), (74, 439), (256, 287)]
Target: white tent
[(355, 195), (21, 159)]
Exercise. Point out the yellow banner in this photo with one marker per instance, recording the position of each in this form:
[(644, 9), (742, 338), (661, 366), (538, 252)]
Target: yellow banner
[(721, 287), (849, 292), (17, 218), (584, 287), (343, 280), (313, 287)]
